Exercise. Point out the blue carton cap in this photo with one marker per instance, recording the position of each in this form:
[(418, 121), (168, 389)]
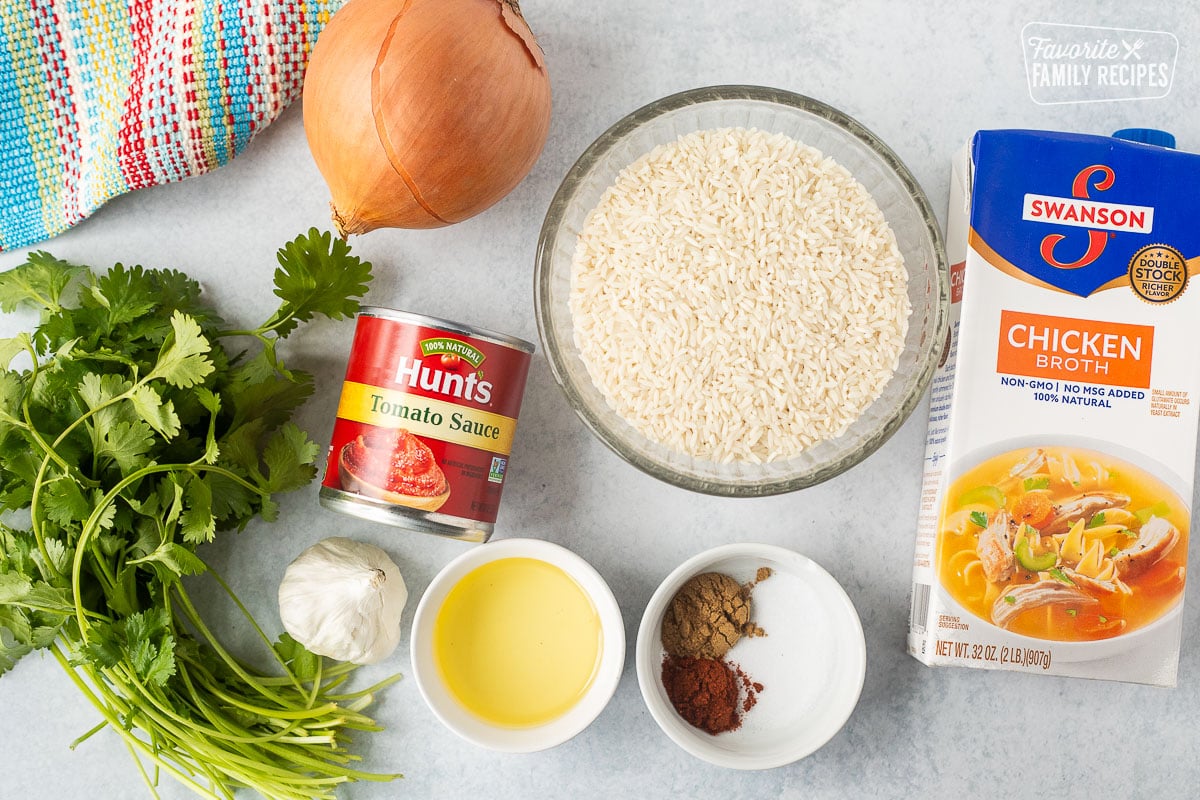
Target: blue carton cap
[(1147, 136)]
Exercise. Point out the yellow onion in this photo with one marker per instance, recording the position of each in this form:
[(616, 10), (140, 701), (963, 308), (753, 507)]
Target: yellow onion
[(421, 113)]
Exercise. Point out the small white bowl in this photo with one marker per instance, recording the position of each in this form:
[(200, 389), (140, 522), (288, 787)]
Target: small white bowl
[(811, 663), (518, 740)]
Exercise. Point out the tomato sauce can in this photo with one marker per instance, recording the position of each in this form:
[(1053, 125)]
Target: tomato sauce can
[(425, 424)]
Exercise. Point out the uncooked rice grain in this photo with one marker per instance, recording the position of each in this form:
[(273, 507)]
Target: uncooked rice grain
[(738, 296)]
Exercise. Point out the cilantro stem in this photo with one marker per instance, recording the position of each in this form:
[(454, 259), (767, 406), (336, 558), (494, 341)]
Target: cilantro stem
[(334, 674), (276, 320), (316, 683), (370, 690), (51, 453), (258, 333), (194, 617), (218, 719), (150, 784), (35, 520), (254, 624), (282, 713), (63, 612), (115, 723), (91, 525), (232, 763), (83, 737)]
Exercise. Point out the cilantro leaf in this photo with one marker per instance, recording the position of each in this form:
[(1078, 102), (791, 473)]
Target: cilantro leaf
[(31, 615), (979, 518), (300, 660), (97, 390), (12, 392), (13, 587), (142, 639), (161, 664), (17, 622), (161, 416), (1037, 482), (232, 502), (122, 597), (16, 548), (289, 457), (11, 650), (317, 275), (65, 502), (183, 360), (127, 444), (9, 348), (240, 447), (212, 404), (104, 650), (257, 393), (124, 295), (41, 280), (176, 558), (198, 523), (52, 565)]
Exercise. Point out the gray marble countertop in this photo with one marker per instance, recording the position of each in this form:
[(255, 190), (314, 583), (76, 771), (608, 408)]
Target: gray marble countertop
[(921, 76)]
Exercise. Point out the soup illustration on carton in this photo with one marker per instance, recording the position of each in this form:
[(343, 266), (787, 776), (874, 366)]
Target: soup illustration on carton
[(1055, 510), (1062, 543)]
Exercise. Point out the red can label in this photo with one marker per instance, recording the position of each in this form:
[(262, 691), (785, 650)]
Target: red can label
[(427, 418)]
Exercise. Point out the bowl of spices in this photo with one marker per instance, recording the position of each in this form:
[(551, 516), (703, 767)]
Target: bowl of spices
[(750, 656), (518, 645)]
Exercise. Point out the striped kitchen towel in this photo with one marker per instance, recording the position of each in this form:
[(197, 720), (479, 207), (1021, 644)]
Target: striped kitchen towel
[(100, 97)]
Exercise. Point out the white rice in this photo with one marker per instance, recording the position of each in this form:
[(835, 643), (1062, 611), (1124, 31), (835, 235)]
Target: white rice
[(737, 296)]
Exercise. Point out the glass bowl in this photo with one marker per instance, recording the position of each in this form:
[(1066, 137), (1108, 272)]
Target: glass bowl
[(835, 134)]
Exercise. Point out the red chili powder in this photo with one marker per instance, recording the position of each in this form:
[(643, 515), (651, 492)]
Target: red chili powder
[(750, 688), (704, 691)]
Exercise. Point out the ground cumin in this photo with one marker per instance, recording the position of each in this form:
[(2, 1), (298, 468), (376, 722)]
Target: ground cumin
[(709, 614)]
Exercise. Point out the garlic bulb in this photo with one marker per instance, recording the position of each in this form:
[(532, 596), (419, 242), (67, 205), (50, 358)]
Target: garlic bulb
[(343, 599)]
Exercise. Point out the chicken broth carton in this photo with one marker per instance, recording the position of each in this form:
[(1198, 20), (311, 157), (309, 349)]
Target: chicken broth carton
[(1056, 502)]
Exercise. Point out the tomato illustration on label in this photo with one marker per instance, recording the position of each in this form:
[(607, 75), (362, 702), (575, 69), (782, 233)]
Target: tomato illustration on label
[(394, 466)]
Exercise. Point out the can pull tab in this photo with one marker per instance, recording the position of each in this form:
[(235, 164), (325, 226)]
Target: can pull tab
[(1147, 136)]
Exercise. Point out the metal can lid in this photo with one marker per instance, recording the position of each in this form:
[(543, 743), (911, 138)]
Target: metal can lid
[(448, 325)]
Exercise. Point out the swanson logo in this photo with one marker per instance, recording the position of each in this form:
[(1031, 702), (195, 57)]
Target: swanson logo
[(1080, 211)]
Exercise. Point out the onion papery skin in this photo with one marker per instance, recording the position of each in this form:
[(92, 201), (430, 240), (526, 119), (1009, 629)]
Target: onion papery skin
[(422, 113)]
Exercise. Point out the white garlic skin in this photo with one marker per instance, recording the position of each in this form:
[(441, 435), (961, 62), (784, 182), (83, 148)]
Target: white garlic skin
[(343, 599)]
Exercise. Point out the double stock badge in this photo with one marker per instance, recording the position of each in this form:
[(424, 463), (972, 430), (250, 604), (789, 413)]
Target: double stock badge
[(425, 424)]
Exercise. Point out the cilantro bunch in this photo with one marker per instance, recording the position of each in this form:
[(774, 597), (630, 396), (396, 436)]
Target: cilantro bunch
[(138, 429)]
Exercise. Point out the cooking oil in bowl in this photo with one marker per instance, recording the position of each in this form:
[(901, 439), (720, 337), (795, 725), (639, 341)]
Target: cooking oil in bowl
[(517, 642)]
